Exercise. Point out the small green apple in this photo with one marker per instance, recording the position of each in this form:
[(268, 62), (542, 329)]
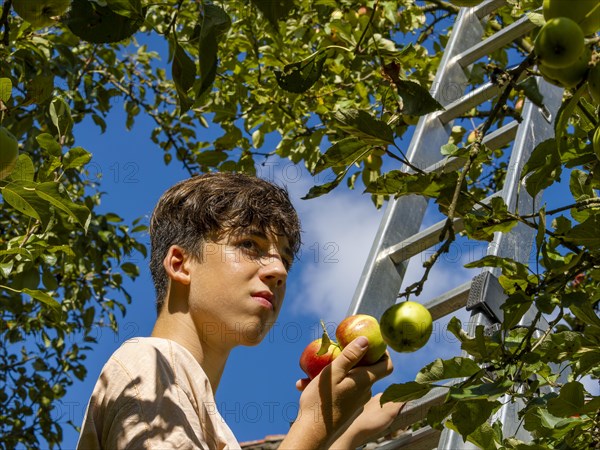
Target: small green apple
[(362, 325), (41, 13), (593, 80), (585, 12), (406, 326), (559, 43), (312, 363), (569, 76), (9, 151)]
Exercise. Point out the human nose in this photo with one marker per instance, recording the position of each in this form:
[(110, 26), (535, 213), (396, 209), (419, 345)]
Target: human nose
[(273, 271)]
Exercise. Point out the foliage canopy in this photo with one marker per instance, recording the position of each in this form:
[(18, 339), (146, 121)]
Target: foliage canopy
[(347, 76)]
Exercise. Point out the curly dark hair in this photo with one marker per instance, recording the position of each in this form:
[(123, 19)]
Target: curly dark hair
[(203, 208)]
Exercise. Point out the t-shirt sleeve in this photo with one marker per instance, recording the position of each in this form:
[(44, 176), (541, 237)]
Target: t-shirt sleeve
[(138, 404)]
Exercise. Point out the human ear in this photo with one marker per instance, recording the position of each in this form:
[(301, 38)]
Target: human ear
[(176, 264)]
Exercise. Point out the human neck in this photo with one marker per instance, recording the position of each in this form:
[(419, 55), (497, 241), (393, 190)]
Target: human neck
[(179, 327)]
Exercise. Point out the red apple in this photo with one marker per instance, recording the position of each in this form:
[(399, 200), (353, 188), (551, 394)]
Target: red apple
[(362, 325), (312, 363)]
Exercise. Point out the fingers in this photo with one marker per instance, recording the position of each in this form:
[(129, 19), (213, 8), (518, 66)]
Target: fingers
[(302, 383), (350, 356)]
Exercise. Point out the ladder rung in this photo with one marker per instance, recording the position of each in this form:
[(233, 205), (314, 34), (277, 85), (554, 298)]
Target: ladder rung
[(449, 301), (424, 438), (494, 140), (425, 239), (469, 101), (502, 136), (485, 8), (496, 41)]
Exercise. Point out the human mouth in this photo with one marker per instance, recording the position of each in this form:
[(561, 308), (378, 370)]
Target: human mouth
[(265, 298)]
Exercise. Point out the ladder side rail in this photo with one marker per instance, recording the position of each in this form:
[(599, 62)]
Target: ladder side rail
[(381, 279), (517, 243)]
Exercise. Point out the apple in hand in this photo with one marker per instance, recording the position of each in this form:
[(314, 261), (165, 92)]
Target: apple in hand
[(406, 326), (362, 325), (312, 363), (559, 43), (41, 13), (585, 12), (9, 150)]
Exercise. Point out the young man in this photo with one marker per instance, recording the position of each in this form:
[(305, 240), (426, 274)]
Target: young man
[(221, 248)]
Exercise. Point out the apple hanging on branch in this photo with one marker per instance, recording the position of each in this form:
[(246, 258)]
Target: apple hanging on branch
[(406, 326)]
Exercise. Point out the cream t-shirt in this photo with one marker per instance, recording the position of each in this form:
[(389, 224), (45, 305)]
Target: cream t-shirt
[(153, 394)]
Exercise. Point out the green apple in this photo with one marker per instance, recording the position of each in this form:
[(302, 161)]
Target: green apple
[(362, 325), (312, 363), (559, 43), (41, 13), (9, 150), (593, 80), (569, 76), (596, 142), (466, 3), (406, 326), (585, 12)]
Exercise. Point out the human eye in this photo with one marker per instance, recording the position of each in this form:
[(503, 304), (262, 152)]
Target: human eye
[(248, 244)]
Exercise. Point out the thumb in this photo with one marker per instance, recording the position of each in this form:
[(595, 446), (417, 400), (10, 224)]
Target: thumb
[(350, 356)]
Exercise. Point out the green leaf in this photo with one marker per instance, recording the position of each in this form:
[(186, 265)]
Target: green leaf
[(76, 158), (21, 196), (299, 77), (416, 100), (364, 126), (341, 154), (440, 369), (24, 169), (183, 70), (540, 421), (580, 305), (565, 112), (317, 191), (48, 143), (49, 191), (530, 88), (215, 23), (586, 233), (489, 391), (569, 402), (42, 297), (5, 89), (405, 392), (542, 168), (470, 415), (580, 185), (60, 113), (274, 10), (107, 25), (483, 436)]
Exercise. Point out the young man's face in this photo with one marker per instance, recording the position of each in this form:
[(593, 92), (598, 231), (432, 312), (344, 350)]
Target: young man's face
[(237, 288)]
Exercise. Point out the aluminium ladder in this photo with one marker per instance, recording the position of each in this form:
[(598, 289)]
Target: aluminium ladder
[(399, 239)]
